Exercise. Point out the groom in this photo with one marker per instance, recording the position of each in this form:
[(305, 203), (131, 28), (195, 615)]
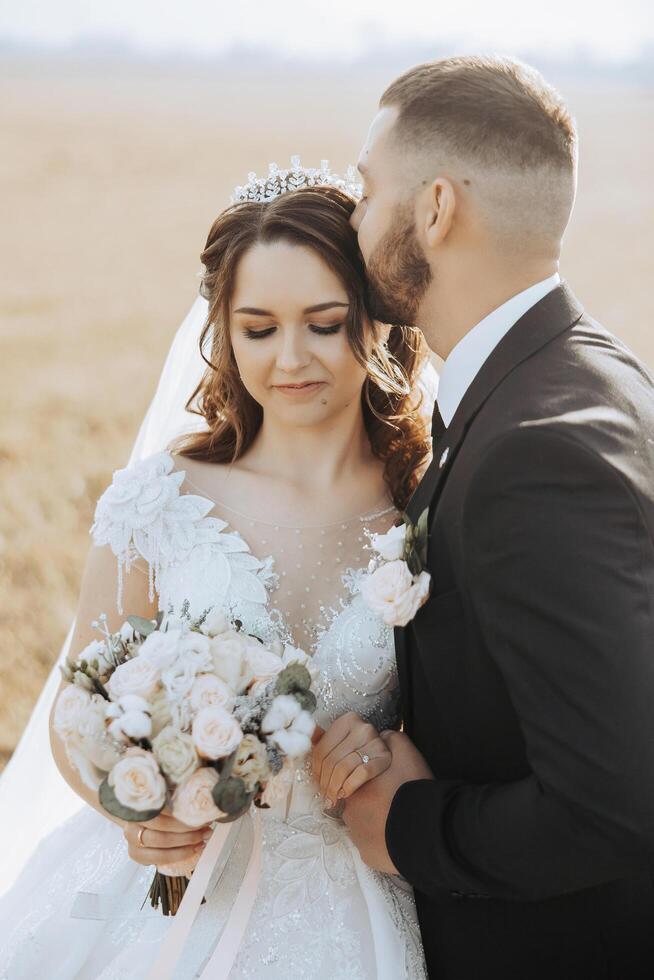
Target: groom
[(520, 800)]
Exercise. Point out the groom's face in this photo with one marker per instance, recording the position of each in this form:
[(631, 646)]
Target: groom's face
[(384, 220)]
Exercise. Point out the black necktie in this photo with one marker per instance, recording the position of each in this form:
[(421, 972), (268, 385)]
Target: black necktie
[(437, 425)]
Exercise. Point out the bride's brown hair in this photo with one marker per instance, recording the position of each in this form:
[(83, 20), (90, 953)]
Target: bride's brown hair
[(317, 218)]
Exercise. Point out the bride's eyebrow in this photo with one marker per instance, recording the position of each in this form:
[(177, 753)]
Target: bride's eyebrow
[(255, 311)]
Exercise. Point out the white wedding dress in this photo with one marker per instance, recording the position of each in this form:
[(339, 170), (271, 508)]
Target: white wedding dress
[(75, 911)]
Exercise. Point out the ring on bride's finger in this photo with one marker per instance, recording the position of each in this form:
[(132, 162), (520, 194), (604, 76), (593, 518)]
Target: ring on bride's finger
[(140, 836), (365, 758)]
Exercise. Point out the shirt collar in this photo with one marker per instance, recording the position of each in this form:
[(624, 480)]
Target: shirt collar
[(466, 358)]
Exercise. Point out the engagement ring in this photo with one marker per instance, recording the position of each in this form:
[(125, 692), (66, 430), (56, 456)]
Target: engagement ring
[(365, 758)]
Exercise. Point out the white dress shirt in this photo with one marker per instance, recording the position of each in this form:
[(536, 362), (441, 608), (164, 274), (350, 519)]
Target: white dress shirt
[(465, 360)]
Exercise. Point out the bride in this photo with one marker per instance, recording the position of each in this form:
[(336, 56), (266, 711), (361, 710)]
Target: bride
[(310, 439)]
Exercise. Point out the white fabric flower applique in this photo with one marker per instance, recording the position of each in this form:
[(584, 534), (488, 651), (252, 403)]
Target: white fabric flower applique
[(144, 513)]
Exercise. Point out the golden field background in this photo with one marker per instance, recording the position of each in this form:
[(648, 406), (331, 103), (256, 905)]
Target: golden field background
[(111, 175)]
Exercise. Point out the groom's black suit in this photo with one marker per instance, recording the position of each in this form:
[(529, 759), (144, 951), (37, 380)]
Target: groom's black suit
[(528, 677)]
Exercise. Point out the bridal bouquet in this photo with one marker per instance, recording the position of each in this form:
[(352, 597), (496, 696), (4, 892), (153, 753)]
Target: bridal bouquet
[(195, 717)]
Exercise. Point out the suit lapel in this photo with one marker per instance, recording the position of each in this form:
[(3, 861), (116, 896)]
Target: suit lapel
[(557, 312), (551, 316)]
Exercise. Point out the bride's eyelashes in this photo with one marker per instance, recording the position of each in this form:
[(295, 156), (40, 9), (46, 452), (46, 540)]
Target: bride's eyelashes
[(267, 331)]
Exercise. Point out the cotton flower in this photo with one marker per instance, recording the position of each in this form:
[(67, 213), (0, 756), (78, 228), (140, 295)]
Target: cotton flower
[(251, 762), (289, 725), (393, 594)]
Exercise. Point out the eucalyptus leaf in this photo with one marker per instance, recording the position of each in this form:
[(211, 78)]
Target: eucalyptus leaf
[(112, 805), (160, 616), (231, 796), (293, 678), (142, 626), (307, 700)]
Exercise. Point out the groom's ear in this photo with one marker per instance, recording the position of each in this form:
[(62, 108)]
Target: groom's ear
[(438, 211)]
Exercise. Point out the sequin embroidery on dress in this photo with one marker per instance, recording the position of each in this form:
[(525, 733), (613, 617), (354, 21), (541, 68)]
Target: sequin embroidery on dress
[(319, 912)]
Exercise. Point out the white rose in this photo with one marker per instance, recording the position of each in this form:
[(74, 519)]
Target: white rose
[(160, 649), (251, 762), (136, 676), (390, 545), (284, 709), (197, 647), (137, 782), (70, 708), (392, 593), (193, 803), (215, 623), (175, 753), (228, 651), (208, 689), (92, 722), (216, 733), (179, 677)]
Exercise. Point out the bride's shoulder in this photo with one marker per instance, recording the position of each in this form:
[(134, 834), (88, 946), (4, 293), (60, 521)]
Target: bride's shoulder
[(142, 501)]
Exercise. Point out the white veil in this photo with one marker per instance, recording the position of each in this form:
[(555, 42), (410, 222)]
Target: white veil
[(34, 797)]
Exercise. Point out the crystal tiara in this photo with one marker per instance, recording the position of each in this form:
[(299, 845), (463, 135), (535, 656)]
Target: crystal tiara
[(297, 178)]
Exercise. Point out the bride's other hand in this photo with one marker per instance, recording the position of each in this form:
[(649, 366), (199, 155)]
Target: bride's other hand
[(338, 757), (165, 840)]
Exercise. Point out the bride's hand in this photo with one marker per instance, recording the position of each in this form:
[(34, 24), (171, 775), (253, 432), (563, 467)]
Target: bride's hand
[(165, 840), (338, 757)]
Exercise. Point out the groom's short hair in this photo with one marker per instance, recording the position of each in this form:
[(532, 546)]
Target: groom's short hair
[(496, 115)]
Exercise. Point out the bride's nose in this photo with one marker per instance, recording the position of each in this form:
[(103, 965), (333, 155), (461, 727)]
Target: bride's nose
[(292, 354)]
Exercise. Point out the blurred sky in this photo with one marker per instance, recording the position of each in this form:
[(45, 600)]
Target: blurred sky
[(613, 31)]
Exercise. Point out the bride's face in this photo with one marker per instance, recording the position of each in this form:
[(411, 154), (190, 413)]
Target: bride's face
[(289, 336)]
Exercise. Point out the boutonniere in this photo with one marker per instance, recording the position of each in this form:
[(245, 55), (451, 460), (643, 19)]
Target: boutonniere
[(397, 583)]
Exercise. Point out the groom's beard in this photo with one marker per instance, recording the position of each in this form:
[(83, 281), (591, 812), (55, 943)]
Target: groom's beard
[(398, 273)]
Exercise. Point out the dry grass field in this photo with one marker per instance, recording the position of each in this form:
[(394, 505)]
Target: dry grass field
[(111, 176)]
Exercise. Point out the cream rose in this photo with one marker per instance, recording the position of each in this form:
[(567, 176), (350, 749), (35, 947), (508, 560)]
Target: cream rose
[(175, 753), (137, 782), (193, 803), (390, 545), (216, 733), (208, 689), (393, 593), (251, 762), (136, 676), (228, 652), (70, 708)]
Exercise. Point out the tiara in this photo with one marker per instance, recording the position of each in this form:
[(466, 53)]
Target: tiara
[(297, 178)]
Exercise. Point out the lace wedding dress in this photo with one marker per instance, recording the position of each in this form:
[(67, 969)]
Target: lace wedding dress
[(77, 910)]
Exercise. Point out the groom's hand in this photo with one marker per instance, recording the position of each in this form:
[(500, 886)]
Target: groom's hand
[(366, 812)]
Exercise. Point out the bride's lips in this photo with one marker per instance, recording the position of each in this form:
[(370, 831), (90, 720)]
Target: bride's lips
[(297, 390)]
